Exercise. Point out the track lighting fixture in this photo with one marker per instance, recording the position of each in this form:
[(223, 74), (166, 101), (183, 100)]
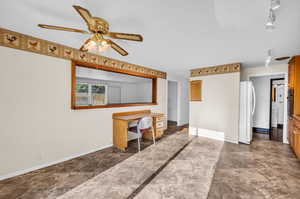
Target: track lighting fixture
[(275, 4), (269, 58), (271, 20)]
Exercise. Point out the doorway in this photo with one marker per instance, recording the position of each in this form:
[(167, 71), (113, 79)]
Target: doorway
[(269, 118), (276, 109), (172, 103)]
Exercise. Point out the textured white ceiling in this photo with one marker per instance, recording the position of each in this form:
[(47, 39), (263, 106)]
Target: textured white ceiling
[(178, 35)]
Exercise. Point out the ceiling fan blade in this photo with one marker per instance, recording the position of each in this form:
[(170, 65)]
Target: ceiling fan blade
[(85, 14), (82, 48), (281, 58), (62, 28), (117, 48), (126, 36)]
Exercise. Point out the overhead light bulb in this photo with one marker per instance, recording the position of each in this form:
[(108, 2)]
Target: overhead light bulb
[(97, 46), (275, 4)]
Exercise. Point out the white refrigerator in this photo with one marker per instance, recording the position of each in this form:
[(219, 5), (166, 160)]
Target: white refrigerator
[(247, 109)]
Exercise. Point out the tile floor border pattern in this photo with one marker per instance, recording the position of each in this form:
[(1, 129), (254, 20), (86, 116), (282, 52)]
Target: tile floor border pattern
[(189, 175), (181, 166), (124, 178), (148, 180)]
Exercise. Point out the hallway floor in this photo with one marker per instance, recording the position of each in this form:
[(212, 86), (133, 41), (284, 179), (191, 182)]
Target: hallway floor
[(264, 169), (276, 135), (179, 166)]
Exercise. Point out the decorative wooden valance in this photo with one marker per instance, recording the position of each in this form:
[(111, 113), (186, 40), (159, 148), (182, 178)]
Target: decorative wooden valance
[(27, 43), (221, 69)]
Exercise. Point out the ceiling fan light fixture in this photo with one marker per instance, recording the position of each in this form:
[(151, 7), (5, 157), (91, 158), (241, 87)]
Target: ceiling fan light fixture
[(99, 28), (97, 46)]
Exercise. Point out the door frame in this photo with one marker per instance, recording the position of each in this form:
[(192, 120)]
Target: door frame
[(177, 99), (285, 117), (270, 117)]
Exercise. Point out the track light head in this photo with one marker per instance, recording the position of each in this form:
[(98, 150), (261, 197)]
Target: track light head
[(275, 4), (271, 20)]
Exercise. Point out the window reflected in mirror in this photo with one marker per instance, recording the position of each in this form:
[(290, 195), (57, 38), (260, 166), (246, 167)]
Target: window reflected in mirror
[(100, 88)]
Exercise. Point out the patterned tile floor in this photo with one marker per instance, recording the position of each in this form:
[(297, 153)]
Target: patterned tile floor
[(57, 179), (264, 169)]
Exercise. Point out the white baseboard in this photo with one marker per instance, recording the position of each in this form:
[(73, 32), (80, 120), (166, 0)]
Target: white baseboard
[(16, 173), (231, 140), (206, 133)]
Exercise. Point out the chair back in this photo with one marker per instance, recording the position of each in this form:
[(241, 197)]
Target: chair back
[(145, 123)]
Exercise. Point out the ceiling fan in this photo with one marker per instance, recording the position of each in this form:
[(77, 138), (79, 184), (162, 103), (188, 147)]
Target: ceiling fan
[(282, 58), (99, 28)]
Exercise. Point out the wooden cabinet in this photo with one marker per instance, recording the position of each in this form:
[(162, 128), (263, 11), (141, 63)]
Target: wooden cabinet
[(294, 82), (295, 137), (196, 90), (291, 72), (158, 125), (294, 90), (291, 132)]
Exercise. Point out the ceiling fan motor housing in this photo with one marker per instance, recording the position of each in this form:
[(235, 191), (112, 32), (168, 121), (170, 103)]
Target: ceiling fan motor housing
[(99, 26)]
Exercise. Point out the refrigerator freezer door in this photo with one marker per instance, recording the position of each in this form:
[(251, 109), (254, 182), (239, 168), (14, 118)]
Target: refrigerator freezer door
[(254, 99), (245, 128)]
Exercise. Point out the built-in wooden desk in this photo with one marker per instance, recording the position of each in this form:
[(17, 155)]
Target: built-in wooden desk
[(120, 126)]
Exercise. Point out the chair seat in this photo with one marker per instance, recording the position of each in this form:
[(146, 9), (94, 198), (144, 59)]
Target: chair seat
[(134, 129)]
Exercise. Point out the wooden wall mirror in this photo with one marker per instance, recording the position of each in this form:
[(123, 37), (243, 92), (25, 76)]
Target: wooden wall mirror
[(95, 86)]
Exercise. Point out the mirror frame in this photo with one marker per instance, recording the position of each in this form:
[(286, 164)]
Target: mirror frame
[(116, 70)]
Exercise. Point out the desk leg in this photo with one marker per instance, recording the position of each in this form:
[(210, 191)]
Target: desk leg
[(120, 134)]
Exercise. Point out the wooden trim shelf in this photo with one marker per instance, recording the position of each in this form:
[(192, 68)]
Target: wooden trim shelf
[(214, 70), (110, 69), (31, 44), (112, 106)]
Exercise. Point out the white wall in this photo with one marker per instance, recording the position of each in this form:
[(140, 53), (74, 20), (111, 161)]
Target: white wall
[(172, 101), (261, 118), (247, 72), (184, 102), (143, 91), (219, 110), (38, 126), (108, 76)]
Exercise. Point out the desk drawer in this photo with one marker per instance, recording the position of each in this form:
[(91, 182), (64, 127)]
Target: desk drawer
[(160, 124), (158, 119), (159, 133)]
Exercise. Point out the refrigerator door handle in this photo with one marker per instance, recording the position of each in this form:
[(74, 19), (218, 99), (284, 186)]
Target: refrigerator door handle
[(254, 100)]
